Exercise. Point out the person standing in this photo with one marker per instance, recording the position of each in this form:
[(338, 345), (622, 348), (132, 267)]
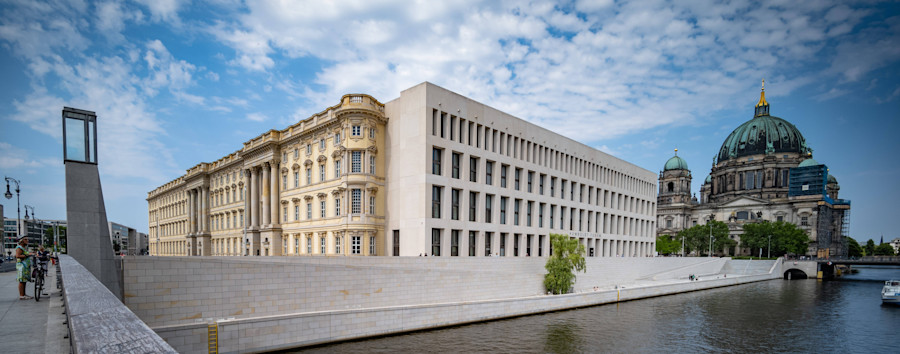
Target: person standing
[(23, 267)]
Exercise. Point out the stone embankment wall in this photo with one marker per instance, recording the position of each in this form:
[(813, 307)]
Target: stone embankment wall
[(277, 303)]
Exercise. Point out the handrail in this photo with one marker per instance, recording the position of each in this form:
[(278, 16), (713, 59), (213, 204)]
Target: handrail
[(98, 322)]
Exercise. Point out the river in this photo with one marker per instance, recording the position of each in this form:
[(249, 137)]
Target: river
[(838, 316)]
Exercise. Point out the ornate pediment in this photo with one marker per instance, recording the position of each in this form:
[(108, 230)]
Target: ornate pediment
[(284, 202), (372, 190), (321, 195), (372, 149), (338, 191), (307, 163), (295, 200), (296, 166), (307, 197), (284, 170)]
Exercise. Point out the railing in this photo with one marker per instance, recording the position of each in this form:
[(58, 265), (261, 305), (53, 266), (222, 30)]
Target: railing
[(98, 322)]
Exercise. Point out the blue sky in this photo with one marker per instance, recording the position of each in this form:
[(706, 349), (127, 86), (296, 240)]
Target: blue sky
[(176, 82)]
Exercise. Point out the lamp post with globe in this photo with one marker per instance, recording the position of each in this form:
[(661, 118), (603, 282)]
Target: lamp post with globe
[(8, 195)]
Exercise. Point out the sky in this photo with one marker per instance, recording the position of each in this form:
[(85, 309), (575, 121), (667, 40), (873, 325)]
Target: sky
[(177, 82)]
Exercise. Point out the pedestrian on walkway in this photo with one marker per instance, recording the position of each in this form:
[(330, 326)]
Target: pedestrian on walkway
[(23, 267)]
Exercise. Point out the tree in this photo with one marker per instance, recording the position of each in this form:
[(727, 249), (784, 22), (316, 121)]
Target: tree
[(666, 244), (786, 237), (870, 247), (567, 257), (696, 238), (853, 248), (49, 236), (884, 249)]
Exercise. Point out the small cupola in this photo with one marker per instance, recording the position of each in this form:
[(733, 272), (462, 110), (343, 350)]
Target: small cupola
[(762, 107)]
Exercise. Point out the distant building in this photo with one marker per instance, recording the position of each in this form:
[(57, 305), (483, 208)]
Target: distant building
[(763, 171), (431, 172), (36, 231), (130, 241), (895, 243)]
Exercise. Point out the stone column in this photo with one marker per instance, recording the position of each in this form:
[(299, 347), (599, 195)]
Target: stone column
[(204, 213), (254, 199), (190, 193), (266, 213), (273, 192)]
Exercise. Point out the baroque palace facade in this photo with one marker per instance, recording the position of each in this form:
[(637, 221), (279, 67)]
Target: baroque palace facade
[(429, 173), (764, 171)]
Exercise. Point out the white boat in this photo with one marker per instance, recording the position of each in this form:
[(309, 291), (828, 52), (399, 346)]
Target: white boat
[(890, 294)]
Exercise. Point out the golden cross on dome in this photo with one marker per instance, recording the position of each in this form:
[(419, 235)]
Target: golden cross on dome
[(763, 84), (676, 152)]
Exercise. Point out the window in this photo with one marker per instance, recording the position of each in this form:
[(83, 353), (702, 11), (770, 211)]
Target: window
[(296, 153), (541, 215), (284, 214), (562, 189), (516, 204), (454, 204), (309, 244), (516, 177), (487, 243), (528, 213), (337, 245), (396, 243), (552, 186), (473, 169), (488, 172), (308, 211), (372, 205), (355, 246), (337, 206), (337, 138), (516, 244), (296, 245), (454, 243), (322, 209), (309, 149), (528, 239), (372, 245), (503, 201), (296, 179), (436, 202), (284, 184), (530, 180), (472, 241), (669, 223), (436, 161), (356, 162), (322, 145), (488, 203), (322, 244), (296, 212), (473, 203), (372, 164), (779, 218), (356, 130), (541, 245), (454, 160), (322, 173), (355, 201), (436, 242), (503, 169), (371, 133), (309, 175), (541, 184), (337, 169), (804, 221)]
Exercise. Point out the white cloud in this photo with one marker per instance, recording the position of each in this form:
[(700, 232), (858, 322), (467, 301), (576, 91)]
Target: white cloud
[(257, 117), (164, 10)]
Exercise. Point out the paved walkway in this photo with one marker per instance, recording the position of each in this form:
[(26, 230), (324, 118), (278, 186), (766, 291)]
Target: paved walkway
[(28, 326)]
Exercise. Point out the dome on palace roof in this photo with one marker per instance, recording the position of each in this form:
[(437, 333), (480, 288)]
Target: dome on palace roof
[(675, 163), (832, 179), (764, 134), (708, 179), (808, 162)]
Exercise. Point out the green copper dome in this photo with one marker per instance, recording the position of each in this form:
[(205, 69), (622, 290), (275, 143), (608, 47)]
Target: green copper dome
[(808, 162), (832, 179), (708, 179), (675, 163), (764, 134)]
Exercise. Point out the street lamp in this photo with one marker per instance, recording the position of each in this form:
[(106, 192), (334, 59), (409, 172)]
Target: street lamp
[(34, 216), (8, 195), (769, 250), (711, 218), (682, 245)]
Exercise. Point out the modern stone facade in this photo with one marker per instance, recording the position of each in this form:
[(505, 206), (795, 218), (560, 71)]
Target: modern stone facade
[(764, 171), (429, 173)]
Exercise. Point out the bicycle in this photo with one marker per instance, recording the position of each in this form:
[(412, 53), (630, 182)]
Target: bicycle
[(38, 276)]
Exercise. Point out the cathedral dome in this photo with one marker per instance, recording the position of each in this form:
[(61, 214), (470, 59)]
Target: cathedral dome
[(764, 134), (708, 179), (832, 179), (675, 163), (808, 162)]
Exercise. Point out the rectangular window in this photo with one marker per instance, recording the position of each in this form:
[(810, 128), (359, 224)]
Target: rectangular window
[(284, 184), (552, 209), (322, 145), (284, 214), (309, 245), (355, 245), (337, 245), (337, 138), (436, 242), (372, 245), (396, 243), (516, 177), (309, 149), (528, 245), (487, 243), (541, 215), (488, 203), (337, 206), (308, 211), (309, 175), (503, 244), (454, 204), (528, 213), (562, 189), (356, 162), (356, 130), (296, 154), (321, 173), (472, 242), (473, 203), (296, 212), (541, 184), (552, 186), (454, 161), (372, 164), (371, 133), (337, 169), (516, 244), (322, 244), (489, 172), (296, 179), (436, 161), (436, 202), (530, 180), (516, 205), (541, 245), (355, 201), (372, 205), (473, 169), (454, 243), (322, 209), (503, 169), (503, 201)]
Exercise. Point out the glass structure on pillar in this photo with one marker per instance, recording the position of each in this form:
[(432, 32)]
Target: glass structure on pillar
[(79, 135)]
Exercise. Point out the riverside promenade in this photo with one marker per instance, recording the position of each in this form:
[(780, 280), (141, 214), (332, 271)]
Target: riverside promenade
[(27, 326)]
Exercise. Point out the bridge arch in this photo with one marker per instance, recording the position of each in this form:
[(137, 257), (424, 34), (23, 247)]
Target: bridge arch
[(795, 273)]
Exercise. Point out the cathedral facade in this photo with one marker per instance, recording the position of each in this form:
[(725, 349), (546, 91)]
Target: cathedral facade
[(764, 171)]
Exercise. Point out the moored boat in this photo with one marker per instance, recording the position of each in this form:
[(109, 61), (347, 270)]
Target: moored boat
[(890, 294)]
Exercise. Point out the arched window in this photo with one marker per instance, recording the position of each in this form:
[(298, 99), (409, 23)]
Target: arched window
[(670, 187)]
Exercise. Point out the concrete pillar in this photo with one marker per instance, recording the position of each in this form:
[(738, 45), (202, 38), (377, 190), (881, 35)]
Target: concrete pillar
[(265, 195), (254, 199), (273, 192)]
